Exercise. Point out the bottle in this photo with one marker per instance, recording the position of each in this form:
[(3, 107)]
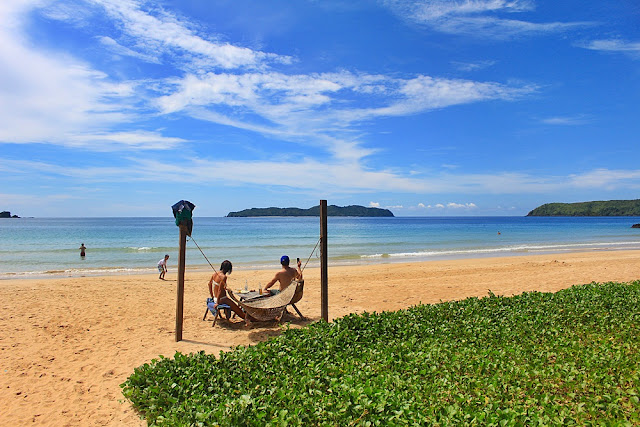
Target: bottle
[(246, 286), (260, 288)]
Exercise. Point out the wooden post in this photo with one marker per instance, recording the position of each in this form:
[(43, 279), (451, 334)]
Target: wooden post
[(181, 266), (324, 282)]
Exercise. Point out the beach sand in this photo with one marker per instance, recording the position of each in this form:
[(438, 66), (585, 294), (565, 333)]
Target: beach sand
[(67, 344)]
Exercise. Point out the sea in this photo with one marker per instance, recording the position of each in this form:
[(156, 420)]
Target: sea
[(49, 247)]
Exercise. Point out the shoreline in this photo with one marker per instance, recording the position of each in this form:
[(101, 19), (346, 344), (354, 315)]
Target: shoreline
[(362, 261), (49, 247), (68, 343)]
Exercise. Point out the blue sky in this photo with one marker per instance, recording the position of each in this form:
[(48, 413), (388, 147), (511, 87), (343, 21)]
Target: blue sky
[(425, 107)]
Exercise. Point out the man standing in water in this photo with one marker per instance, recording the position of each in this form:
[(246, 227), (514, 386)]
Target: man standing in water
[(162, 266), (82, 249)]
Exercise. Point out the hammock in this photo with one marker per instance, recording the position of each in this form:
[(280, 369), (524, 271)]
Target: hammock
[(270, 308)]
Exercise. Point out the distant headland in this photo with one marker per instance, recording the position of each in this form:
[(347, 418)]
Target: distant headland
[(332, 210), (598, 208), (7, 214)]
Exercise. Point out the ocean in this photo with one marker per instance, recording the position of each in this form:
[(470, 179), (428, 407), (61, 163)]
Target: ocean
[(34, 247)]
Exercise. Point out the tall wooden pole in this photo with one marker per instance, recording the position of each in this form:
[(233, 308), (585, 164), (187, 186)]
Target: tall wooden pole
[(181, 265), (324, 281)]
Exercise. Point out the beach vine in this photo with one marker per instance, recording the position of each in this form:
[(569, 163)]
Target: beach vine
[(569, 357)]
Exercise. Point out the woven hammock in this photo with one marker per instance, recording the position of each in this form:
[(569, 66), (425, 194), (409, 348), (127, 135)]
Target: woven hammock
[(270, 308)]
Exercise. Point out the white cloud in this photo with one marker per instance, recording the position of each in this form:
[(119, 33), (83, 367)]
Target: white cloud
[(84, 105), (453, 205), (52, 97), (137, 140), (473, 66), (161, 31), (312, 107), (46, 98), (606, 179), (307, 174), (118, 49), (436, 9), (259, 92), (476, 18), (28, 204), (502, 28), (374, 204), (565, 121), (335, 176), (153, 34), (331, 97), (450, 205), (615, 45), (424, 93), (316, 175)]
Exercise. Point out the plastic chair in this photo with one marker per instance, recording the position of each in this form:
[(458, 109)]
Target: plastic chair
[(216, 311)]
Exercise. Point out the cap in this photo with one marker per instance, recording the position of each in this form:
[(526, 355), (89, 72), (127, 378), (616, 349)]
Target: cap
[(284, 260)]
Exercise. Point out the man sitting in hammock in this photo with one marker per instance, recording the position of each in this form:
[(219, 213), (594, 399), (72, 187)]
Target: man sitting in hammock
[(218, 291), (284, 276)]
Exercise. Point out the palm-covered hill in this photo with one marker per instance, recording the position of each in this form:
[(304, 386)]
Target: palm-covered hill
[(598, 208), (332, 210)]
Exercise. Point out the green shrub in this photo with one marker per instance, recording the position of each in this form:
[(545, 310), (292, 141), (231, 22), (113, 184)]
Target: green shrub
[(534, 359)]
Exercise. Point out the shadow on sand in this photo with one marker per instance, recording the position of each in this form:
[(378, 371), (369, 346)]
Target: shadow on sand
[(259, 331), (208, 344)]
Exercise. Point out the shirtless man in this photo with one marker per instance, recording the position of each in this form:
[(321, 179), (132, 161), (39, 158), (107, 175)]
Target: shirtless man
[(285, 276), (218, 291)]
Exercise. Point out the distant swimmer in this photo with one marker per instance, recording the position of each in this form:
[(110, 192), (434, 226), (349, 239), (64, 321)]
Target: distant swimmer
[(499, 233), (82, 249)]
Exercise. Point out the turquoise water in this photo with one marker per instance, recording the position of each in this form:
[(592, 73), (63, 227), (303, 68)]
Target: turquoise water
[(49, 246)]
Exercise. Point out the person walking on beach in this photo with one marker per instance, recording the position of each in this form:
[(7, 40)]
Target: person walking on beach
[(285, 276), (82, 249), (162, 266), (218, 291)]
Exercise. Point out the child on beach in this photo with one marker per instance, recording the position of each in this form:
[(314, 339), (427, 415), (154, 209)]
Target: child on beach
[(162, 266)]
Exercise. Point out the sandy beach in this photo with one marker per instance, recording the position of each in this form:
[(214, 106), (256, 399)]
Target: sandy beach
[(68, 343)]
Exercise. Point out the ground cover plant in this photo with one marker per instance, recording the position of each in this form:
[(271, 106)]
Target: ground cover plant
[(569, 357)]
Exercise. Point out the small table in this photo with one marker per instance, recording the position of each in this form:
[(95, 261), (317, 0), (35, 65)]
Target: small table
[(252, 295)]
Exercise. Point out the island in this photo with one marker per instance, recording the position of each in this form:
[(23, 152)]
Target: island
[(7, 214), (332, 210), (597, 208)]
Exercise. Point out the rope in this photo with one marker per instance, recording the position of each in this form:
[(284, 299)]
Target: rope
[(214, 269), (314, 249), (205, 257)]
